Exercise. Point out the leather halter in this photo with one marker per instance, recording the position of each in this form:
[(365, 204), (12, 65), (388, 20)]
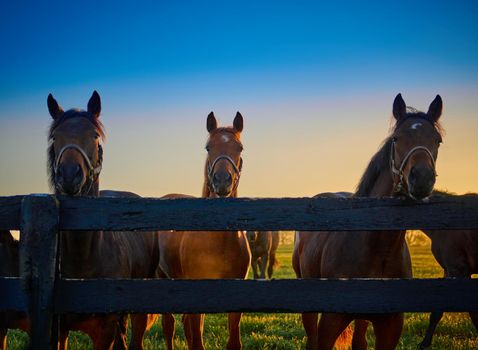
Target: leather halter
[(210, 171), (93, 172), (399, 186)]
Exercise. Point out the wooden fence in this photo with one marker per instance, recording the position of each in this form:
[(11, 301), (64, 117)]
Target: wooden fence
[(44, 295)]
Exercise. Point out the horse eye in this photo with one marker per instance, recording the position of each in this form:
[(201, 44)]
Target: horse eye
[(207, 148)]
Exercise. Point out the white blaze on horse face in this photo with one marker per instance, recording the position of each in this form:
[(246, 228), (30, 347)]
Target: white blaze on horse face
[(416, 125), (225, 138)]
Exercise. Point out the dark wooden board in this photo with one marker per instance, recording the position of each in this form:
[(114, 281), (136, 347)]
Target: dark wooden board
[(10, 212), (13, 296), (217, 296), (309, 214), (38, 253)]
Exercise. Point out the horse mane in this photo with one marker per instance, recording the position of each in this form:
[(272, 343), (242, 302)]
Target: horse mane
[(381, 160), (71, 113), (446, 193)]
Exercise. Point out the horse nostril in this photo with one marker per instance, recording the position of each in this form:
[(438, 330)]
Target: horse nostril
[(413, 171), (222, 177), (78, 171)]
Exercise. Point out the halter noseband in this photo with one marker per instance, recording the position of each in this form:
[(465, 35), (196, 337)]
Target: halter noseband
[(93, 172), (210, 170), (398, 187)]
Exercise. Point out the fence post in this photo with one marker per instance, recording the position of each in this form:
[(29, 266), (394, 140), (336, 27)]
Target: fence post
[(38, 254)]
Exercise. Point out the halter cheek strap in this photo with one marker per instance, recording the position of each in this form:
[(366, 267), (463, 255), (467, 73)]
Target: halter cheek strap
[(93, 172), (399, 186), (237, 170)]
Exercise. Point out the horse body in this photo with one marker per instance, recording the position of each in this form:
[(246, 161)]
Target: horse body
[(457, 253), (74, 158), (9, 267), (263, 246), (372, 254), (209, 255)]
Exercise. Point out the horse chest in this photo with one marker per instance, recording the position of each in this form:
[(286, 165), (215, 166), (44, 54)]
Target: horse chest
[(214, 255)]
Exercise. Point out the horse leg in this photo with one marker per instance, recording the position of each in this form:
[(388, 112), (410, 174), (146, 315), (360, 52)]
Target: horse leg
[(234, 327), (388, 329), (264, 260), (331, 327), (359, 340), (169, 323), (3, 338), (474, 319), (435, 318), (196, 322), (254, 268), (63, 341), (102, 331), (121, 333), (139, 324), (187, 330), (309, 321), (272, 261)]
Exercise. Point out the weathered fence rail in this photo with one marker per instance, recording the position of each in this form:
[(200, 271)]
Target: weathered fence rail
[(309, 214), (43, 294)]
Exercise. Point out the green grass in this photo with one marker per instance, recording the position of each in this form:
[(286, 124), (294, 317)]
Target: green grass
[(284, 331)]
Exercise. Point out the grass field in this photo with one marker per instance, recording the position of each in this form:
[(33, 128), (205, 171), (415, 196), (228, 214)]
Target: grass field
[(284, 331)]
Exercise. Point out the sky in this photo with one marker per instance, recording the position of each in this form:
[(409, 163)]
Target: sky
[(314, 81)]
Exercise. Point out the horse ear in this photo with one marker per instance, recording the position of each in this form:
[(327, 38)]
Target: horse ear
[(238, 122), (399, 107), (53, 107), (211, 122), (94, 104), (435, 109)]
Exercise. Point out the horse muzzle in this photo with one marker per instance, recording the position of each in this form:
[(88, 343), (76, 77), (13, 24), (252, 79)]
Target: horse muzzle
[(222, 183), (421, 181), (69, 179)]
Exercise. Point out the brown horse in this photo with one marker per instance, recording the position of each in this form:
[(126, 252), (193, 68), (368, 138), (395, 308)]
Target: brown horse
[(74, 163), (457, 253), (9, 267), (404, 166), (263, 249), (223, 254)]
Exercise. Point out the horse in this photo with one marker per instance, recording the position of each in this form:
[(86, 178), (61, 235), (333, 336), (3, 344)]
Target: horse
[(404, 166), (75, 157), (210, 255), (9, 267), (263, 246), (457, 253)]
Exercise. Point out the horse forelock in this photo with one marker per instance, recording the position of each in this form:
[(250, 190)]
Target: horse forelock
[(226, 129)]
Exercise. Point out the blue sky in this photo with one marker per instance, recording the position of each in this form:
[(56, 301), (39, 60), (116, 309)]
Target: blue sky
[(296, 70), (51, 46)]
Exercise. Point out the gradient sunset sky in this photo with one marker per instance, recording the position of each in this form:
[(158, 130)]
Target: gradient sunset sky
[(315, 84)]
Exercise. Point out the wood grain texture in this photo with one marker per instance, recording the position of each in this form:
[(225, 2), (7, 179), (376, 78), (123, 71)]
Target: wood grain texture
[(38, 254), (217, 296), (308, 214)]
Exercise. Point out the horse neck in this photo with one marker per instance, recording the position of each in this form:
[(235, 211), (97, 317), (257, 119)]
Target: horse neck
[(78, 249), (390, 240)]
